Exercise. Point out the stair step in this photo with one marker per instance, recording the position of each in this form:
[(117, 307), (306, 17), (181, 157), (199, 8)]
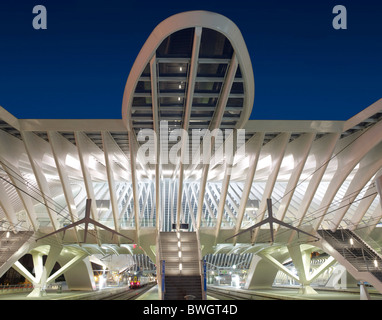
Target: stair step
[(177, 287), (178, 283)]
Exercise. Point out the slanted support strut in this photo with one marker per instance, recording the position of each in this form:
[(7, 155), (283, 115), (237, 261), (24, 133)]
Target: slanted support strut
[(86, 220), (271, 220)]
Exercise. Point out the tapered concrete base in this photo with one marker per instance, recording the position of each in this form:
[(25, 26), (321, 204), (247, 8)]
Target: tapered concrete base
[(37, 292), (363, 293), (307, 290)]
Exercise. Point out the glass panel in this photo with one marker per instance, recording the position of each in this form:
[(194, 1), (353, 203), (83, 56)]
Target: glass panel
[(215, 45), (143, 86), (178, 44), (212, 70), (172, 86)]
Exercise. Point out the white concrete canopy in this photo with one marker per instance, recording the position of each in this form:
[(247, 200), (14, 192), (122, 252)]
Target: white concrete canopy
[(319, 174)]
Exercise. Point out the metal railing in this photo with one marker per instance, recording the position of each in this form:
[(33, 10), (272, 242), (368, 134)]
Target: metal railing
[(368, 258), (202, 268), (163, 278), (6, 288)]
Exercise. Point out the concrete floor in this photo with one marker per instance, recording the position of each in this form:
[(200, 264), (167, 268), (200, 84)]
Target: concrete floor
[(152, 294)]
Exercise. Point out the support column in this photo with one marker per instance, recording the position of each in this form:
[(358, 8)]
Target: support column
[(363, 293), (42, 272), (262, 272), (301, 261), (74, 264)]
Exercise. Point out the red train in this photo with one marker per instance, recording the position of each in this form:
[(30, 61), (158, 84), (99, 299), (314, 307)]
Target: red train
[(138, 281)]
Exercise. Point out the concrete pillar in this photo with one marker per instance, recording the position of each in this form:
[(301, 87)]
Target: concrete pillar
[(301, 261), (363, 293), (79, 275), (42, 272), (266, 271)]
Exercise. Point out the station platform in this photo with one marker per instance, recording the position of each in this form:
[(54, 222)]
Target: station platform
[(152, 294), (67, 294), (278, 293), (292, 293)]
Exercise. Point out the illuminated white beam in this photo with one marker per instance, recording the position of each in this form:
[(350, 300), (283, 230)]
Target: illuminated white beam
[(368, 166), (363, 206), (214, 124), (133, 148), (350, 151), (59, 150), (187, 113), (299, 149), (111, 181), (277, 148), (7, 207), (36, 149), (321, 150), (155, 112), (11, 150), (83, 155)]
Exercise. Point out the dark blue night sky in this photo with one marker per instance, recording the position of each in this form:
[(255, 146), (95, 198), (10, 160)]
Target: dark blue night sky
[(304, 69)]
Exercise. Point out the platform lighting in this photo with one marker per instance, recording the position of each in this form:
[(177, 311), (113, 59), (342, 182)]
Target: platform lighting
[(178, 244), (351, 241), (375, 263), (8, 234), (180, 69), (180, 267)]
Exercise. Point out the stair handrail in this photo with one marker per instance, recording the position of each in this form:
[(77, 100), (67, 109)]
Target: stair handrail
[(330, 235), (202, 266), (356, 238), (163, 278), (366, 243), (352, 228), (368, 248), (374, 245), (373, 257), (159, 262), (343, 249), (368, 253)]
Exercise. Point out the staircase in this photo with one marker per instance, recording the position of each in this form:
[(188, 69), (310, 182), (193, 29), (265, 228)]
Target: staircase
[(362, 261), (11, 245), (180, 253)]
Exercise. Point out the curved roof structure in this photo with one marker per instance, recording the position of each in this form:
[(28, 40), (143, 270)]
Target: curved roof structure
[(192, 76), (308, 168), (194, 66)]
